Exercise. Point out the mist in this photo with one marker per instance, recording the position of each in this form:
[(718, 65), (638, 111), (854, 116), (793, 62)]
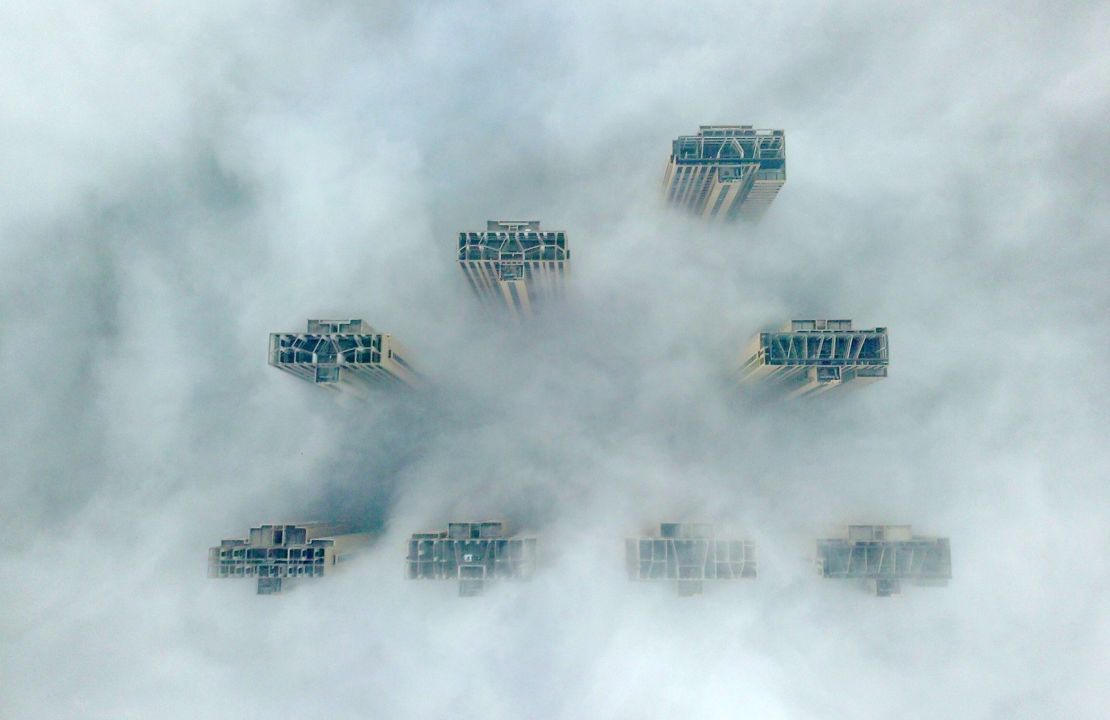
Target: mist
[(180, 181)]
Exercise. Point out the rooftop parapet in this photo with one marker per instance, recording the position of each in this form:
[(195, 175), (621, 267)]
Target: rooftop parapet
[(689, 554), (476, 530), (686, 530), (277, 553), (512, 225), (340, 327), (472, 553), (884, 556), (818, 326)]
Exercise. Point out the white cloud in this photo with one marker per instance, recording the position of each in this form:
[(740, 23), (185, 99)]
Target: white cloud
[(182, 181)]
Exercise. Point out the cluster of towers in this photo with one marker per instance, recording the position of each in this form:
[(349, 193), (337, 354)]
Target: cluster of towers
[(476, 553), (721, 174)]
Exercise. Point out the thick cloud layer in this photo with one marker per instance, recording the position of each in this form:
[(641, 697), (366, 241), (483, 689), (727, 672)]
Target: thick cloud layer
[(179, 181)]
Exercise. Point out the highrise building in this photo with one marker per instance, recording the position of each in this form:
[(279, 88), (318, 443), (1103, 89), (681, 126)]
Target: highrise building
[(689, 553), (515, 263), (284, 552), (342, 355), (472, 553), (884, 556), (808, 357), (726, 172)]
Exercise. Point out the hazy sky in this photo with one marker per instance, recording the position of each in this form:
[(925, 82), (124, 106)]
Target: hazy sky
[(180, 179)]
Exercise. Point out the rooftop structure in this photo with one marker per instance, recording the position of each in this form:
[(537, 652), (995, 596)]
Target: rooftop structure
[(342, 355), (515, 263), (813, 356), (726, 172), (689, 553), (277, 553), (472, 553), (885, 555)]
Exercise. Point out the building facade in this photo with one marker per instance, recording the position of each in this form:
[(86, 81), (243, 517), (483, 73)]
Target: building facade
[(342, 355), (726, 172), (688, 554), (277, 554), (515, 263), (472, 553), (884, 556), (809, 357)]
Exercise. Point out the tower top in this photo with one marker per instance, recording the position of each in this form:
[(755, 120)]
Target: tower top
[(334, 327), (818, 325), (511, 225)]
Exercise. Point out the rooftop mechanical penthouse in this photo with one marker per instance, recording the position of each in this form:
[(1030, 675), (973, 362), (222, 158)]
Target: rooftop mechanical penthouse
[(277, 553), (342, 355), (813, 356), (688, 554), (472, 553), (515, 263), (884, 556), (726, 172)]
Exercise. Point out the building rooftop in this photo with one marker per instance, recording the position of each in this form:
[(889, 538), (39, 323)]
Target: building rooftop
[(515, 264), (688, 554), (810, 357), (513, 242), (885, 555), (732, 145), (472, 553), (331, 351), (279, 552), (824, 342)]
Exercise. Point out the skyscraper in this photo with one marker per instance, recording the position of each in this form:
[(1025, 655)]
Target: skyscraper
[(884, 555), (342, 355), (515, 263), (812, 356), (689, 553), (726, 171), (472, 553), (285, 552)]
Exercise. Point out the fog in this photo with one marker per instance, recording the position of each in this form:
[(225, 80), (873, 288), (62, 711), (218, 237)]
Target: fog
[(180, 180)]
